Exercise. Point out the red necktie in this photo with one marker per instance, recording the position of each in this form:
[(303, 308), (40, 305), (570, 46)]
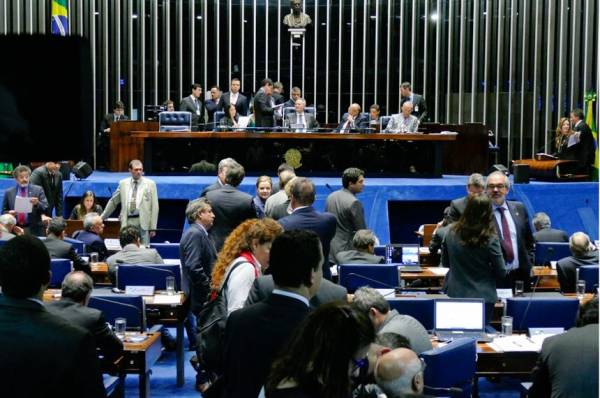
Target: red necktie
[(506, 241), (21, 217)]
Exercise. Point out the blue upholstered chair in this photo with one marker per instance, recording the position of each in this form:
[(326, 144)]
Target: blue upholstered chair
[(60, 267), (383, 122), (550, 251), (589, 274), (175, 121), (450, 368), (112, 385), (378, 276), (542, 312), (78, 245), (217, 116), (166, 250), (147, 275), (419, 308), (126, 306), (291, 109)]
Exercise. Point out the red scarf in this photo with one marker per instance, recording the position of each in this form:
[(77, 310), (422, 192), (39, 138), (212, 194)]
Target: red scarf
[(247, 255)]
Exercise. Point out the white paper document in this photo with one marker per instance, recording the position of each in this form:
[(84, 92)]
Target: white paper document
[(166, 299), (23, 205), (515, 343), (439, 270)]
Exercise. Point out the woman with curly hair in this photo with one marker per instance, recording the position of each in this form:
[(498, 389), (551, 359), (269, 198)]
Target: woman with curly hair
[(245, 254)]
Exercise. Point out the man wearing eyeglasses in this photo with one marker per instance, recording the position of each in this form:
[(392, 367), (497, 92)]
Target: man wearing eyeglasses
[(512, 225)]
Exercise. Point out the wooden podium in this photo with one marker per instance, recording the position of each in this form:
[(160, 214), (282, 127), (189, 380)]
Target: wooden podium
[(551, 169)]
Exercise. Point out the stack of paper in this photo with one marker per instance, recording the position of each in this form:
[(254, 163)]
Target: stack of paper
[(513, 343)]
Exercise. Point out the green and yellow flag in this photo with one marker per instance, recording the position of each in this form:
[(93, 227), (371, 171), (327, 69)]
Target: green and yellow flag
[(60, 18), (589, 100)]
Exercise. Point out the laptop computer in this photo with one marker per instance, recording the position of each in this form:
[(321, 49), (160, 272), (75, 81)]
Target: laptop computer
[(460, 318), (409, 257)]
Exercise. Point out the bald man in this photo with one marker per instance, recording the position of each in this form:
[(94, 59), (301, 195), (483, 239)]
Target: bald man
[(353, 120), (583, 253), (404, 122), (399, 372)]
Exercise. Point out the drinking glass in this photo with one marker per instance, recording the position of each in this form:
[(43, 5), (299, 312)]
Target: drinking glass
[(580, 289), (170, 283), (120, 327), (93, 257), (507, 325), (519, 288)]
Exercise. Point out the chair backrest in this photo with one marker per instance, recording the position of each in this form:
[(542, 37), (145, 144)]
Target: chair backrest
[(217, 116), (421, 309), (167, 250), (451, 366), (542, 312), (287, 110), (60, 267), (383, 122), (175, 121), (78, 245), (550, 251), (126, 306), (291, 109), (589, 274), (148, 275), (378, 276)]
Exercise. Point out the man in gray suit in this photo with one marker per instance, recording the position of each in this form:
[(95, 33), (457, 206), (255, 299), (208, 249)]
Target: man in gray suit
[(363, 252), (419, 104), (58, 248), (301, 118), (568, 363), (583, 253), (347, 210), (475, 186), (139, 202), (49, 178), (545, 232), (404, 122), (195, 105), (132, 251), (221, 171), (286, 173)]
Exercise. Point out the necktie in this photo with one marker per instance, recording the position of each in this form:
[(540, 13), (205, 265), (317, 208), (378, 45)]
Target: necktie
[(132, 205), (506, 241), (21, 217)]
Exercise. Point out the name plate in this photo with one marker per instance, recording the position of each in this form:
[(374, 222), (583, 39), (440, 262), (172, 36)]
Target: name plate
[(503, 294), (140, 290)]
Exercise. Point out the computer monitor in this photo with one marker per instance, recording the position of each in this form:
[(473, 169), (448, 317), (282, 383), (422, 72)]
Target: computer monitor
[(459, 315)]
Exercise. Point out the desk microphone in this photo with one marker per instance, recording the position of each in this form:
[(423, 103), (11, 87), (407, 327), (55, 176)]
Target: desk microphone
[(452, 391), (375, 281), (529, 303)]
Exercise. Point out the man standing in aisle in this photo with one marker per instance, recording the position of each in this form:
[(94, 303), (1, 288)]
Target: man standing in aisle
[(139, 202), (49, 178), (194, 104)]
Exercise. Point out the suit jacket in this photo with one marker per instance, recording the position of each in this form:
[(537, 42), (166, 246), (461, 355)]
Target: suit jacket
[(409, 327), (361, 122), (263, 110), (211, 107), (550, 235), (93, 243), (583, 151), (52, 189), (419, 104), (241, 106), (474, 271), (109, 119), (42, 355), (350, 217), (457, 208), (132, 254), (567, 269), (568, 365), (187, 105), (198, 254), (34, 218), (328, 292), (91, 320), (58, 248), (211, 187), (524, 237), (311, 121), (357, 257), (397, 124), (231, 208), (323, 224), (147, 202), (275, 199), (280, 210), (253, 337)]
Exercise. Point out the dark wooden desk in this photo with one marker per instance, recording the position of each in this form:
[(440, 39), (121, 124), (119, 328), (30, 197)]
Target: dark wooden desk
[(140, 357), (551, 169)]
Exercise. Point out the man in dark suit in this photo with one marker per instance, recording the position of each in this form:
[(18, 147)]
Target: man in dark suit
[(254, 334), (118, 115), (195, 105), (419, 104), (214, 104), (544, 232), (264, 104), (278, 93), (58, 248), (231, 206), (221, 171), (475, 186), (76, 292), (583, 253), (512, 225), (30, 222), (353, 120), (581, 144), (328, 292), (235, 97), (568, 363), (49, 178), (348, 211), (301, 118), (304, 216), (41, 355), (295, 95), (93, 226), (363, 252)]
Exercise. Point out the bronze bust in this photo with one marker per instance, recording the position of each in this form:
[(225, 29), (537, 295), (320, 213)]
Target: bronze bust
[(296, 18)]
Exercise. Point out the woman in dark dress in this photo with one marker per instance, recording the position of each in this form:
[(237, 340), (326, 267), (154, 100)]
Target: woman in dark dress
[(230, 119), (328, 348), (87, 204), (264, 187)]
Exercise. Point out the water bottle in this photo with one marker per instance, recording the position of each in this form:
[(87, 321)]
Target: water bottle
[(389, 251)]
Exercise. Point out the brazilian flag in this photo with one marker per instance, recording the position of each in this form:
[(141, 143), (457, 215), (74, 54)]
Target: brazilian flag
[(60, 17), (589, 100)]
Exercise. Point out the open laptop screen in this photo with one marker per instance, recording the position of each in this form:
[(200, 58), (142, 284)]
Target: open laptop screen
[(410, 254), (459, 315)]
